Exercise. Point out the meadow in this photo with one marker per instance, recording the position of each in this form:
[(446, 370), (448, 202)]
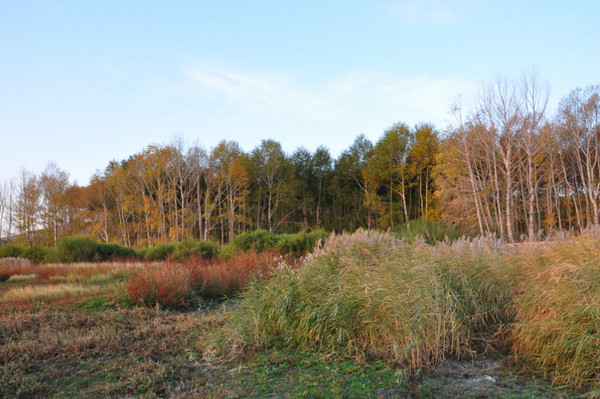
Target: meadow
[(361, 315)]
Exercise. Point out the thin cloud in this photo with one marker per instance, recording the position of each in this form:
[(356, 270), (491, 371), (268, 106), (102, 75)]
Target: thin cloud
[(361, 99)]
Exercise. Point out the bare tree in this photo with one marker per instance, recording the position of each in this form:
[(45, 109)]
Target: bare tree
[(502, 108), (54, 183), (27, 209), (534, 95)]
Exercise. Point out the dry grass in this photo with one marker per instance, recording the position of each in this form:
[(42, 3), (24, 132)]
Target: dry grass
[(557, 322), (81, 270), (73, 334), (59, 285), (370, 295), (48, 292), (19, 278), (174, 284), (12, 262)]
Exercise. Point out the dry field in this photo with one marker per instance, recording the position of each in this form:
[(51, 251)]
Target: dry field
[(364, 316)]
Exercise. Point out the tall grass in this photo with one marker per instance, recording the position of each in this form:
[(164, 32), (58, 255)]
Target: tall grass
[(557, 322), (369, 294)]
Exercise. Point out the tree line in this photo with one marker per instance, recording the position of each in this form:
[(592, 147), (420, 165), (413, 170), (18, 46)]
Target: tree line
[(505, 168)]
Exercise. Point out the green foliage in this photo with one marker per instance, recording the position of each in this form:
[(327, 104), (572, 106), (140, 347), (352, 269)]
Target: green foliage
[(39, 254), (70, 249), (296, 244), (12, 251), (159, 251), (196, 248), (300, 243), (227, 251), (78, 249), (431, 231), (181, 250), (110, 251), (36, 253), (258, 240)]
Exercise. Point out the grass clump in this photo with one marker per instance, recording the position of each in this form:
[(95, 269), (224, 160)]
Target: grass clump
[(557, 323), (369, 294)]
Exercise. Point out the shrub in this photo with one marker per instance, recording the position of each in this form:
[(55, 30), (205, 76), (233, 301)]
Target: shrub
[(175, 284), (39, 254), (110, 251), (231, 276), (78, 249), (300, 243), (168, 285), (431, 231), (257, 240), (195, 248), (227, 251), (51, 255), (159, 251), (296, 244), (12, 251)]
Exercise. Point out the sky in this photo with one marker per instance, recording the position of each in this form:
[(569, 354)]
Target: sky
[(86, 82)]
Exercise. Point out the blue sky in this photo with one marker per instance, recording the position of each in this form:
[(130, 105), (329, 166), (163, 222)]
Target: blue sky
[(84, 82)]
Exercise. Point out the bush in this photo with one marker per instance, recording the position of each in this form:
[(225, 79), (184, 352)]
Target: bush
[(431, 231), (39, 254), (12, 251), (195, 248), (78, 249), (159, 251), (166, 285), (181, 250), (109, 251), (257, 240), (300, 243), (296, 244)]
